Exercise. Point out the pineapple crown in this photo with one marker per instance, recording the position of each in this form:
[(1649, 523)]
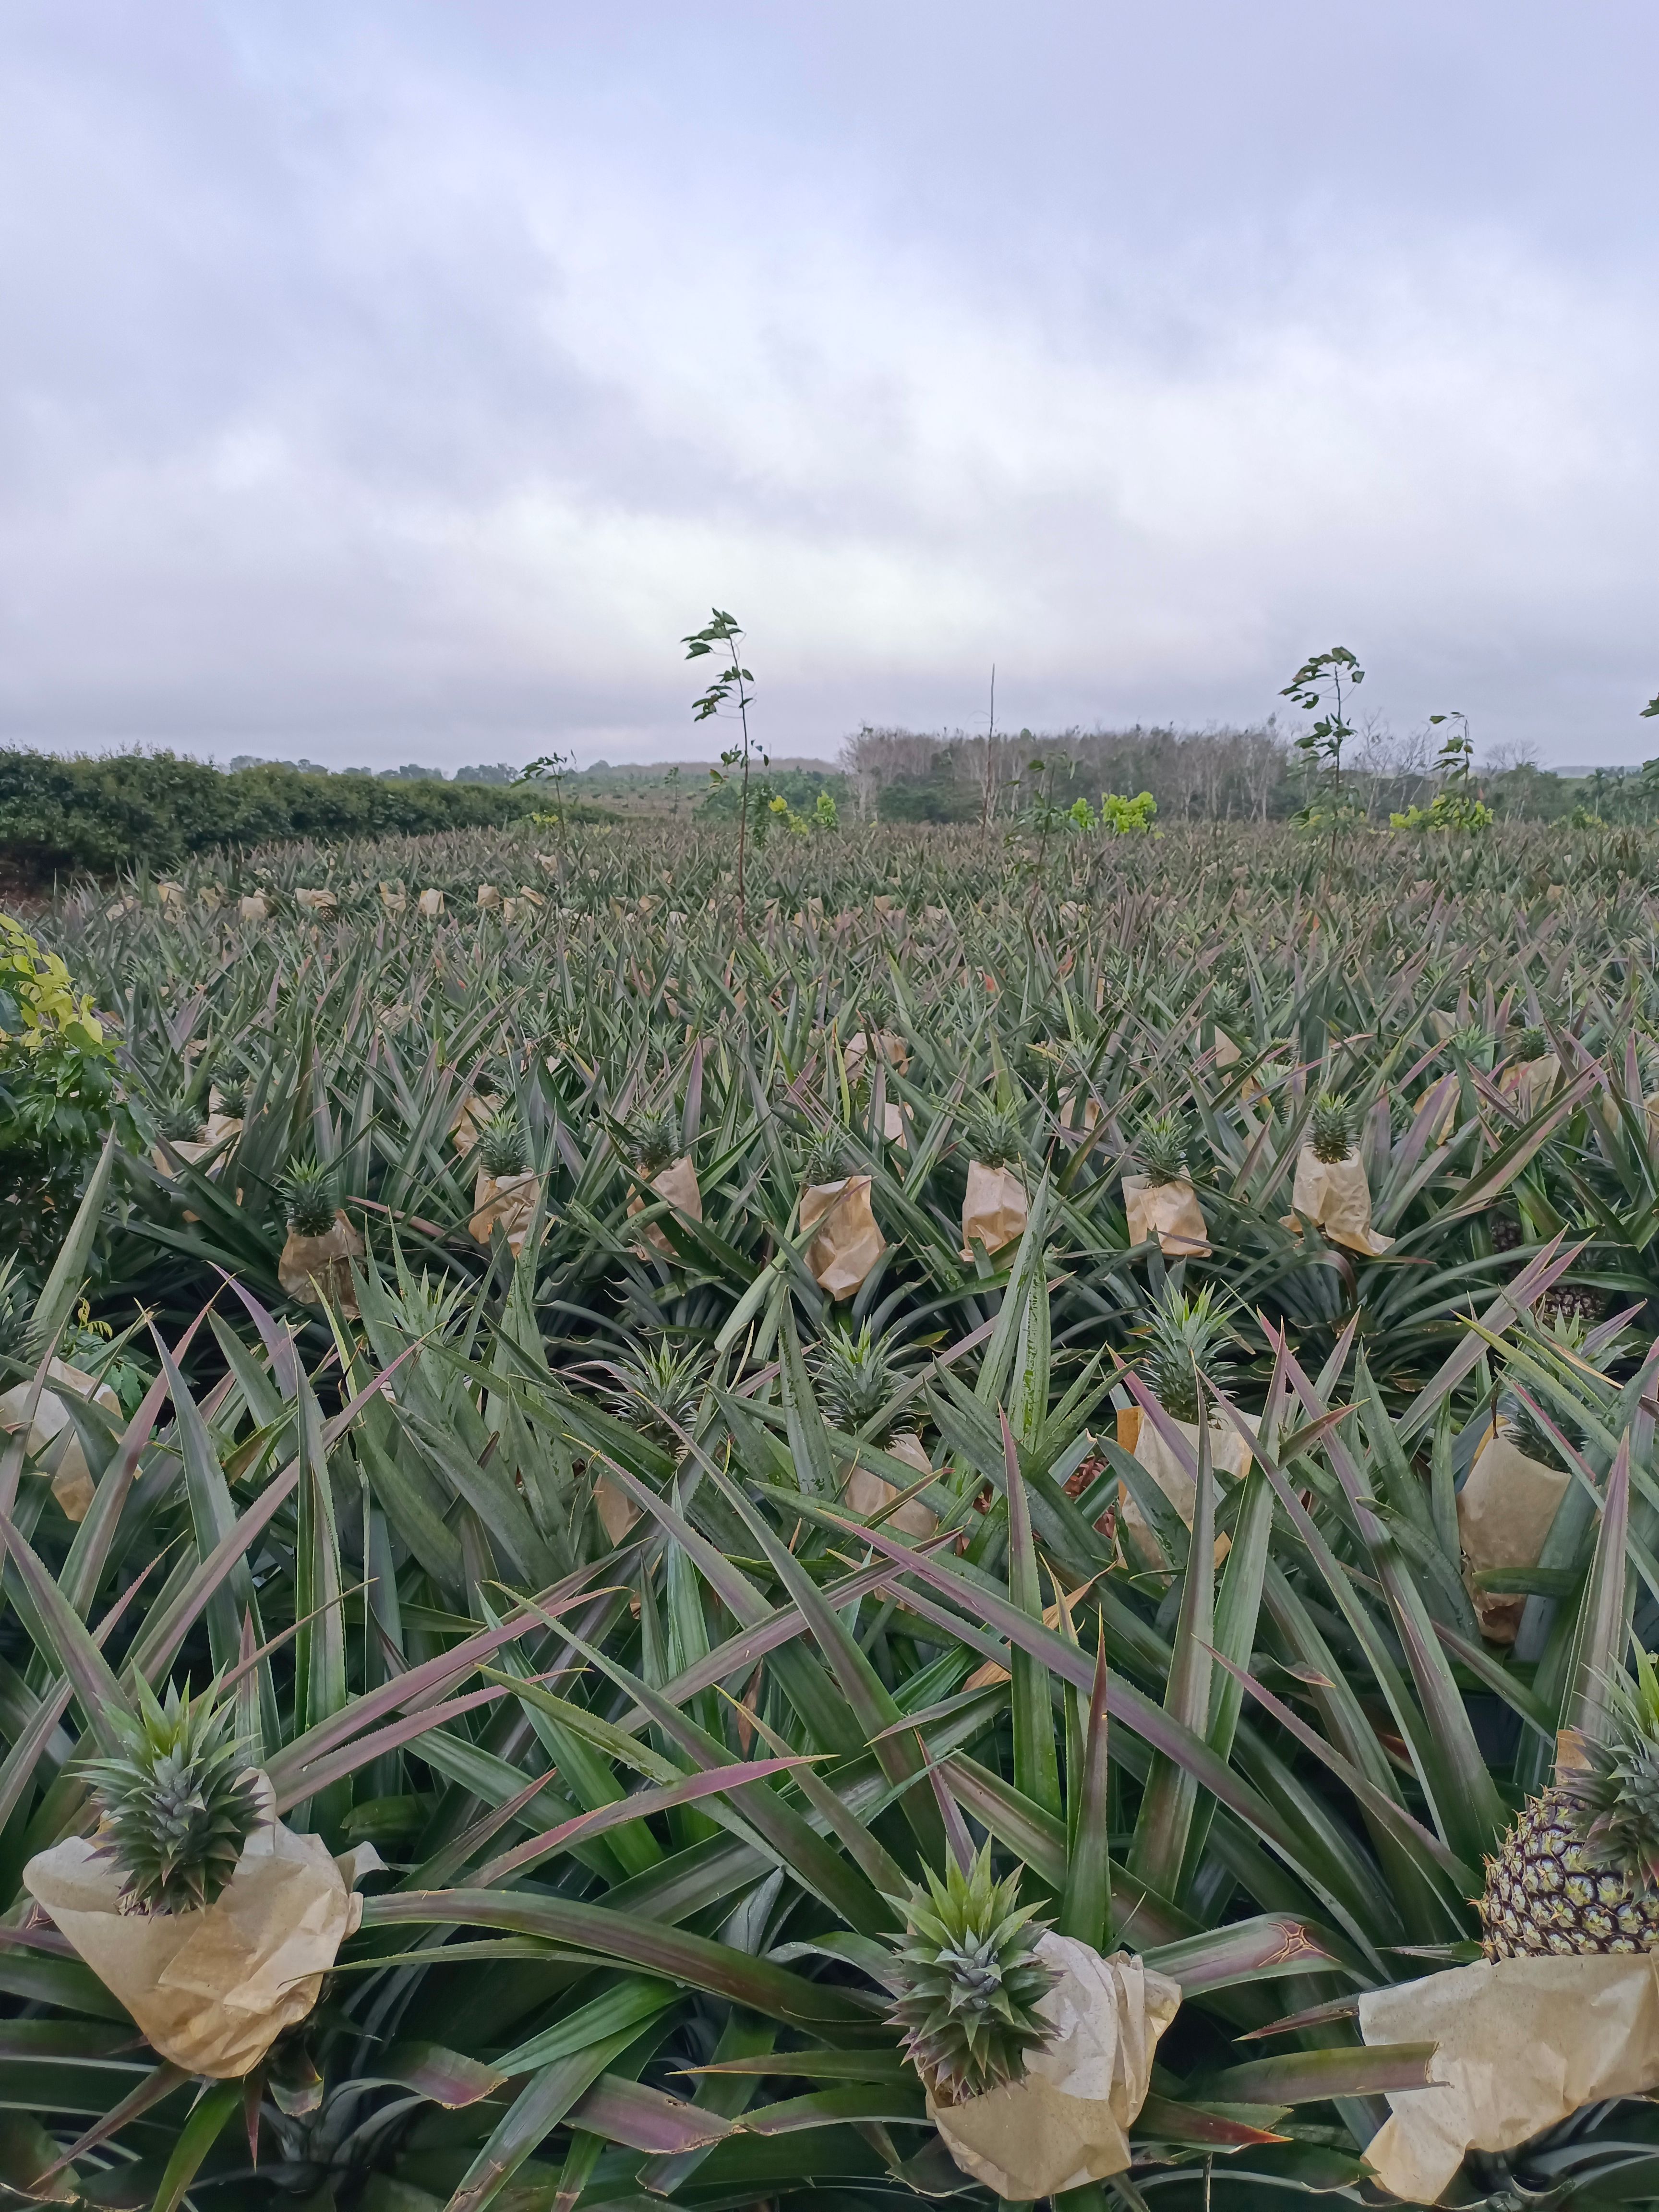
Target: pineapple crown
[(824, 1157), (967, 1981), (501, 1147), (180, 1121), (232, 1085), (310, 1198), (177, 1802), (1615, 1795), (1531, 1044), (659, 1388), (856, 1376), (993, 1134), (1333, 1127), (651, 1140), (1183, 1338), (1161, 1148), (1527, 1432)]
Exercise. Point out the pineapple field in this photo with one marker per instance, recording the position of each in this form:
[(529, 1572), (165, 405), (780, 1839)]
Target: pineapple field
[(974, 1521)]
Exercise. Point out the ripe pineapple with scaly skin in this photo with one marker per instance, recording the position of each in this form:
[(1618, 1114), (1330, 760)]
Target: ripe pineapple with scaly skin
[(969, 1982), (1578, 1872), (176, 1803)]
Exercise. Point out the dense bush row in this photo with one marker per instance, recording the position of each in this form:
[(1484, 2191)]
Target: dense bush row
[(127, 809)]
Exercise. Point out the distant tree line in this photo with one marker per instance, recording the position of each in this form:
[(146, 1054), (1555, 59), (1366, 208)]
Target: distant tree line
[(114, 811), (1225, 774)]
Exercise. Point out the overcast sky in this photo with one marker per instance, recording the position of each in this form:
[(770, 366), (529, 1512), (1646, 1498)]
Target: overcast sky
[(393, 382)]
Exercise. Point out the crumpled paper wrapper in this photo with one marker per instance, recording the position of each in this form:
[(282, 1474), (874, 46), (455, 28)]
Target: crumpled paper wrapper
[(54, 1433), (1168, 1211), (1085, 1117), (1503, 1514), (1444, 1119), (867, 1493), (253, 906), (895, 1121), (617, 1510), (1227, 1053), (431, 904), (1067, 2122), (677, 1183), (317, 1270), (1523, 2043), (994, 1210), (849, 1243), (469, 1117), (896, 1050), (212, 1990), (318, 903), (1228, 1455), (1335, 1195), (1531, 1081), (510, 1204), (394, 898)]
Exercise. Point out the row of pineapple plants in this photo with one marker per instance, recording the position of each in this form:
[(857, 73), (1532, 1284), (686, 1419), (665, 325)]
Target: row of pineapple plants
[(698, 1399)]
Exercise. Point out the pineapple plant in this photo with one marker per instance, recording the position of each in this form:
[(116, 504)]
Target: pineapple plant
[(1184, 1338), (651, 1140), (994, 1135), (502, 1147), (658, 1388), (824, 1158), (1578, 1871), (177, 1801), (180, 1121), (855, 1377), (310, 1198), (967, 1981), (1332, 1132), (1161, 1148)]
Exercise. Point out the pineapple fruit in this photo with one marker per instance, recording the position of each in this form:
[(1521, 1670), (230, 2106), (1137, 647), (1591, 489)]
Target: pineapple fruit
[(1576, 1872), (968, 1982), (177, 1801)]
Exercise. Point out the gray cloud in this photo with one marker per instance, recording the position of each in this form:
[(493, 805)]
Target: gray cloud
[(383, 381)]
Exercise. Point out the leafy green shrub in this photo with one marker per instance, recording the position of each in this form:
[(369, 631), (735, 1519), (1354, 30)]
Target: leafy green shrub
[(57, 1091)]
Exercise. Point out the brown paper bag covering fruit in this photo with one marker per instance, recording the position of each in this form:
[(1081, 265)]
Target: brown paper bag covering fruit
[(1522, 2043), (1228, 1455), (1227, 1053), (867, 1493), (849, 1243), (617, 1510), (394, 898), (431, 904), (1168, 1211), (253, 906), (1335, 1194), (1065, 2123), (895, 1121), (213, 1990), (1531, 1082), (465, 1122), (677, 1183), (317, 1270), (994, 1209), (318, 903), (1069, 1116), (53, 1432), (488, 895), (510, 1203), (896, 1050), (1503, 1514)]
